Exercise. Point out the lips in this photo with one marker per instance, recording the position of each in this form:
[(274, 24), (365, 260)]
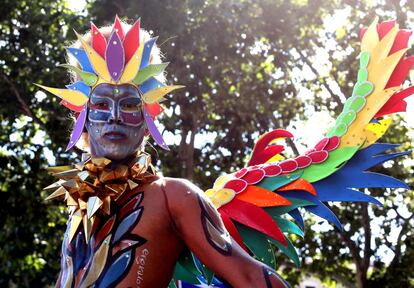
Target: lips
[(115, 136)]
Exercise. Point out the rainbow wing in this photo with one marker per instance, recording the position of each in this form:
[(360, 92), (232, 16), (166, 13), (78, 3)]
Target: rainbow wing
[(254, 201)]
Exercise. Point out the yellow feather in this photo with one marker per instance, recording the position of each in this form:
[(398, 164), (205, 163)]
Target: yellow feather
[(384, 46), (370, 39), (374, 131), (156, 94), (74, 97), (275, 158), (98, 63), (356, 135), (132, 68), (379, 73)]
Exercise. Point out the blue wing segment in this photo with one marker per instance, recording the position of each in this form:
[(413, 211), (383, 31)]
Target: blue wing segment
[(82, 58), (340, 185), (80, 86), (150, 84), (147, 52)]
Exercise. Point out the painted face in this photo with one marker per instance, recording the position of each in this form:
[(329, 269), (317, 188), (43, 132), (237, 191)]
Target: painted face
[(115, 121)]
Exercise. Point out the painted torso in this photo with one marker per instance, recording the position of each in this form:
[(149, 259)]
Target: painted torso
[(136, 246)]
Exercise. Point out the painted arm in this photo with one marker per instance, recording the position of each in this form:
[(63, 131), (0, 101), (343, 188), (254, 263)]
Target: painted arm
[(201, 228)]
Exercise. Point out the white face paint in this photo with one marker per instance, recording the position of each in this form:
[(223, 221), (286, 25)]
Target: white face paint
[(115, 121)]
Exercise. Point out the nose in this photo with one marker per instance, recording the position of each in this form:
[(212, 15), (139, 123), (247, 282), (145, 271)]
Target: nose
[(114, 118)]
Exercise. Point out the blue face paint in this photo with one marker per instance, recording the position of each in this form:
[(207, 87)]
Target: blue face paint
[(115, 121)]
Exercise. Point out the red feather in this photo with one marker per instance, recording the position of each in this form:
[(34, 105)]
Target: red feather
[(131, 41), (98, 40), (253, 217), (232, 229)]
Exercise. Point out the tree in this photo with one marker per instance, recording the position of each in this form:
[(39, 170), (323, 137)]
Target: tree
[(31, 39)]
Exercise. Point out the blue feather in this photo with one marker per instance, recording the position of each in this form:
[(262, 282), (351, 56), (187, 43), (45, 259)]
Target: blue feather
[(116, 270), (82, 58), (127, 224), (150, 84), (81, 87), (147, 52)]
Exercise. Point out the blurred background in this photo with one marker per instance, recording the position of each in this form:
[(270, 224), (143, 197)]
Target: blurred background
[(248, 66)]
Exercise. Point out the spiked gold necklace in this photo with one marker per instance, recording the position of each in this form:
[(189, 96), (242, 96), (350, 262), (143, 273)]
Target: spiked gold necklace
[(92, 184)]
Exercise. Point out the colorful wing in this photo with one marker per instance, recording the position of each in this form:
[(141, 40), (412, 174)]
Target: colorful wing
[(254, 201)]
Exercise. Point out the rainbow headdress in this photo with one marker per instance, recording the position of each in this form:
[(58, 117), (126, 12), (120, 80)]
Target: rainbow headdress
[(117, 59)]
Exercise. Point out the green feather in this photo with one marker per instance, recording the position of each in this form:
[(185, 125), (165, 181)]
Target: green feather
[(275, 182), (289, 250), (335, 160), (258, 244), (280, 210), (288, 226), (88, 78), (148, 72)]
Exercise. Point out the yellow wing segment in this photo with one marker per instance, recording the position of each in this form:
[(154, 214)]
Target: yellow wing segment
[(374, 131), (380, 67), (74, 97), (131, 69), (98, 63), (371, 38), (156, 94)]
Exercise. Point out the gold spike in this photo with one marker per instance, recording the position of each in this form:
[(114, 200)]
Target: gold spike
[(107, 175), (67, 174), (70, 201), (106, 206), (71, 185), (54, 186), (58, 193), (82, 204), (91, 167), (83, 175), (132, 184), (58, 169), (100, 161), (85, 157), (87, 227), (85, 188), (121, 172), (94, 203), (76, 219)]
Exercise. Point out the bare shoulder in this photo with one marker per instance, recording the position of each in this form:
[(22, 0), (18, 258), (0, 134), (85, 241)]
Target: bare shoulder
[(181, 193)]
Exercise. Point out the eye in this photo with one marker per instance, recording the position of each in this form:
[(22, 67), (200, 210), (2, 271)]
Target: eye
[(103, 105)]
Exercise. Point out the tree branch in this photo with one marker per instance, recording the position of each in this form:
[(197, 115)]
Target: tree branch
[(26, 109)]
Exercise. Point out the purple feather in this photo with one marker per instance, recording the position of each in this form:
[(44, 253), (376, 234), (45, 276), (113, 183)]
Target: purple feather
[(78, 129), (156, 135), (115, 57)]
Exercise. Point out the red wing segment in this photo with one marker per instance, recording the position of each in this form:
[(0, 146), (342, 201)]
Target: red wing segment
[(396, 103), (400, 72), (253, 217), (131, 41), (263, 150), (98, 41), (262, 197), (231, 228)]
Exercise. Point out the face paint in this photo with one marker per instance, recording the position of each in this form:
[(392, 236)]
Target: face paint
[(115, 121)]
